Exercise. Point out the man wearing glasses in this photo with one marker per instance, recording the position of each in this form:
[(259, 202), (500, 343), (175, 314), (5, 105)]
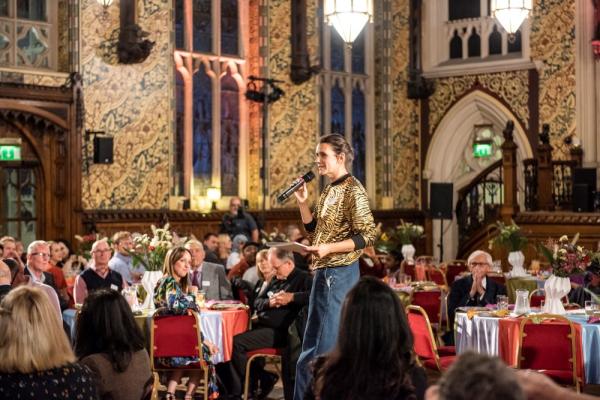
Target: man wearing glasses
[(38, 257), (474, 290), (99, 276)]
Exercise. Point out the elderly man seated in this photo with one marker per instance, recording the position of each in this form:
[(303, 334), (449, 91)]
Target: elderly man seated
[(474, 289), (100, 276), (207, 276)]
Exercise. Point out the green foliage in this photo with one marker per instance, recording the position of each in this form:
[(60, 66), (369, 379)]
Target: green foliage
[(394, 238), (510, 237), (151, 251)]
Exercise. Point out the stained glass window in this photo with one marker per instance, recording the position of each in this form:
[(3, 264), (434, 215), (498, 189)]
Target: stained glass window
[(18, 202), (456, 46), (34, 10), (514, 46), (215, 91), (461, 9), (179, 131), (3, 8), (230, 135), (474, 44), (495, 41), (179, 38), (337, 110), (359, 139), (337, 51), (229, 27), (202, 126), (202, 22), (358, 54)]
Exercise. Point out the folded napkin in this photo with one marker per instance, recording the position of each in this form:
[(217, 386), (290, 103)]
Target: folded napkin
[(594, 320)]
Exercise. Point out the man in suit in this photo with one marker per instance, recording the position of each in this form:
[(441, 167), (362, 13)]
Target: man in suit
[(475, 289), (207, 276), (38, 257)]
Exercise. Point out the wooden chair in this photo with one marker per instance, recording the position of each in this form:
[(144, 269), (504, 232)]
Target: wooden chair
[(547, 343), (428, 353), (270, 354), (436, 275), (177, 336)]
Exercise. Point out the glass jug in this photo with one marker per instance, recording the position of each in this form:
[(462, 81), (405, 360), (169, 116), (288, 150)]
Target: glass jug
[(522, 302)]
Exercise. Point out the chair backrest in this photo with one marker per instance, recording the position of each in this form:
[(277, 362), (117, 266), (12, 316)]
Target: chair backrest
[(424, 342), (430, 301), (175, 336), (455, 268), (437, 275), (536, 296), (547, 342)]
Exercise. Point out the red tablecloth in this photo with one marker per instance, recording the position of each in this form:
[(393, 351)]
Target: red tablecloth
[(508, 342), (234, 322)]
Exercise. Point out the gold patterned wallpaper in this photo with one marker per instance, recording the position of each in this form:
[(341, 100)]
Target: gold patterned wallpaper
[(131, 103), (404, 116), (294, 119), (553, 42)]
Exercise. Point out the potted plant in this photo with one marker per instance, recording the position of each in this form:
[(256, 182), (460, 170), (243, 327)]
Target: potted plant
[(402, 236), (511, 238), (566, 259)]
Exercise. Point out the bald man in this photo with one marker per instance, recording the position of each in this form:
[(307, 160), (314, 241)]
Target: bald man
[(5, 278)]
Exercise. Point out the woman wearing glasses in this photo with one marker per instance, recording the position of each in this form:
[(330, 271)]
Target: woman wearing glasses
[(339, 228)]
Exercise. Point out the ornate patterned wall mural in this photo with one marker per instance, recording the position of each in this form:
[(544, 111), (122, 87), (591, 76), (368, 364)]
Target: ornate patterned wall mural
[(132, 103), (294, 119), (553, 42), (405, 116)]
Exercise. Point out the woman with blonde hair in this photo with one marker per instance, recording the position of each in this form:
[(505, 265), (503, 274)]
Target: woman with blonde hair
[(36, 360)]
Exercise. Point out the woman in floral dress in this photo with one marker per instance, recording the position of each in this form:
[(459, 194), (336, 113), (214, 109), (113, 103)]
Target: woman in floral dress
[(173, 296)]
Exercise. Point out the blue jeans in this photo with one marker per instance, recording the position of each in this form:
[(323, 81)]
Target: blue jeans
[(329, 289)]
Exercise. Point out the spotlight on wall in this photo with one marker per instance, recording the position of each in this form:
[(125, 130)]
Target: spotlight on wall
[(214, 195)]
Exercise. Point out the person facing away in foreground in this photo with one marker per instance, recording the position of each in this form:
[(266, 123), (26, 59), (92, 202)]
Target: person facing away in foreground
[(340, 227), (111, 344), (478, 376), (373, 358), (36, 360)]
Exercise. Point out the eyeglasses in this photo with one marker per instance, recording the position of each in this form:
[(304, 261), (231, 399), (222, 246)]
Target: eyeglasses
[(43, 255), (479, 264), (102, 251)]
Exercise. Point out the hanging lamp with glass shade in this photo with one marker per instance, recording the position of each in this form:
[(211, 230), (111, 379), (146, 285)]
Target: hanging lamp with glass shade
[(511, 13), (348, 17)]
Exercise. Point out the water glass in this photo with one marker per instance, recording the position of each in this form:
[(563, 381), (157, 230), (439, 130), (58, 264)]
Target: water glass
[(201, 298), (502, 302), (522, 301), (589, 307)]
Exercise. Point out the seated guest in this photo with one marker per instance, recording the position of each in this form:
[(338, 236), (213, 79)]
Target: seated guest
[(373, 357), (277, 307), (38, 256), (265, 272), (36, 360), (581, 294), (370, 264), (247, 261), (121, 261), (211, 244), (173, 297), (224, 248), (475, 289), (5, 280), (207, 276), (238, 221), (99, 277), (236, 249), (55, 268), (477, 376), (17, 276), (111, 344)]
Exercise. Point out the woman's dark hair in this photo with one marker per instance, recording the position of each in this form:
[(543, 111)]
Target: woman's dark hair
[(106, 325), (67, 245), (339, 145), (373, 354)]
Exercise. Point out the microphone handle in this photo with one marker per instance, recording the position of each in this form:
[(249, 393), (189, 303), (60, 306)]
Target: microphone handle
[(289, 191)]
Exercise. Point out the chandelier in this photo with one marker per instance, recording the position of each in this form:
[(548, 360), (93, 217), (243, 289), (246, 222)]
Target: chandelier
[(511, 13), (348, 17)]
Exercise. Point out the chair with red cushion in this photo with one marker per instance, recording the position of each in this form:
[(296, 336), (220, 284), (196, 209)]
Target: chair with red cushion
[(177, 336), (455, 268), (431, 302), (437, 275), (409, 269), (428, 353), (547, 343), (270, 354), (535, 299)]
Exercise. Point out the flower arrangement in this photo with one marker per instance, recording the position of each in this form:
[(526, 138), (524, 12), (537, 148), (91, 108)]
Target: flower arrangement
[(566, 258), (151, 251), (510, 237), (395, 238), (274, 236)]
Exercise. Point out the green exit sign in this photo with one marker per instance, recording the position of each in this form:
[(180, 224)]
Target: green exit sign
[(482, 149), (10, 152)]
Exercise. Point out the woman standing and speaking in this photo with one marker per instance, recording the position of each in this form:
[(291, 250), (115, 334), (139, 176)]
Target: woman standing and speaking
[(340, 227)]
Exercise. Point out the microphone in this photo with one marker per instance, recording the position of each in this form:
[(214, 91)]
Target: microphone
[(309, 176)]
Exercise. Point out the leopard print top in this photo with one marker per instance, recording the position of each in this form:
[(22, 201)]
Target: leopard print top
[(342, 213)]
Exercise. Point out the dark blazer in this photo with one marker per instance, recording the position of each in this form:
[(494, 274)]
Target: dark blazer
[(459, 295), (214, 282)]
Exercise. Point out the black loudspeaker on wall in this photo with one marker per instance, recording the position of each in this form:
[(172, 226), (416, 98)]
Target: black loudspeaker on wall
[(103, 150), (582, 198), (440, 200)]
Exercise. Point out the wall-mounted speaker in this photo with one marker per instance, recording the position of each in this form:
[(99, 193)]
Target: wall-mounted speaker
[(440, 200), (103, 150)]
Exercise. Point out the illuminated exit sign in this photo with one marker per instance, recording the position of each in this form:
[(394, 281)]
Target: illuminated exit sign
[(10, 152)]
